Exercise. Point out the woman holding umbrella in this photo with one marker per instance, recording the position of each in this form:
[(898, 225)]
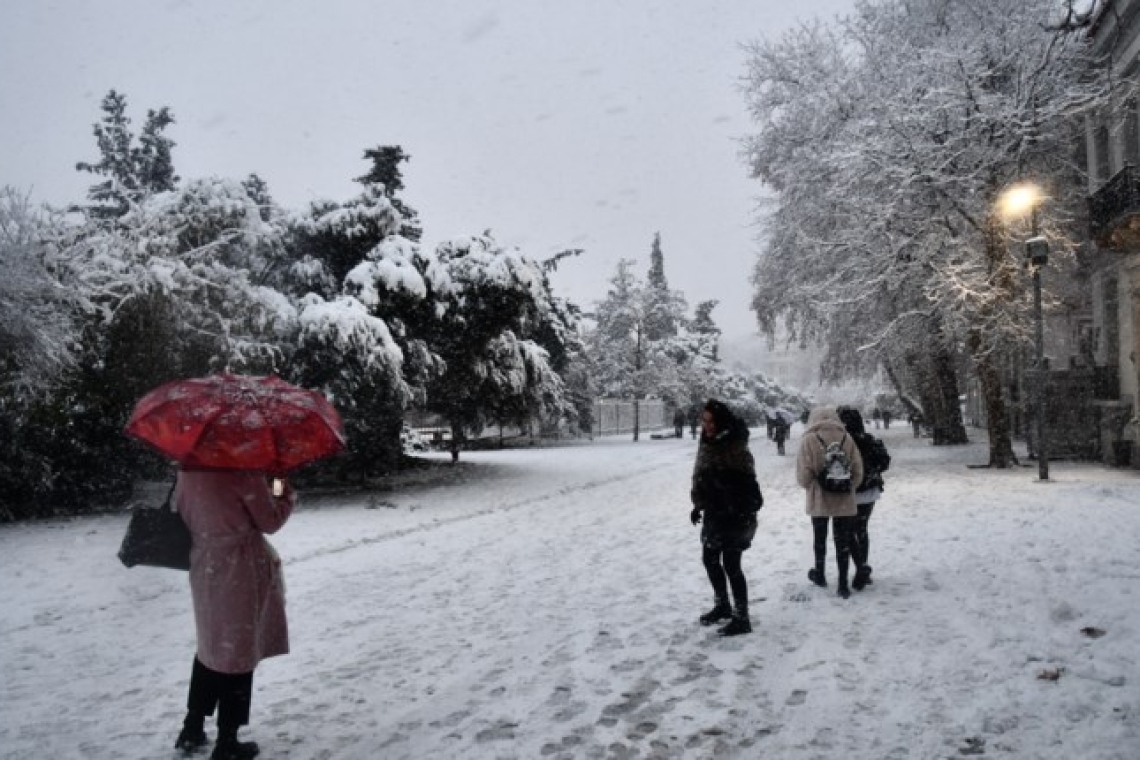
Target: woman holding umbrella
[(239, 598), (227, 432)]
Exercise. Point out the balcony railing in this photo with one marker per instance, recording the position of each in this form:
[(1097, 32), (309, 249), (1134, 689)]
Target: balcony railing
[(1118, 199)]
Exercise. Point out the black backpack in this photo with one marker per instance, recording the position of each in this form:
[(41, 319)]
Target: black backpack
[(835, 477), (876, 461)]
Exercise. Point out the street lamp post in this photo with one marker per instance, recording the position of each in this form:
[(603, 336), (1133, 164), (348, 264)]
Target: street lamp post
[(1015, 201), (1037, 254)]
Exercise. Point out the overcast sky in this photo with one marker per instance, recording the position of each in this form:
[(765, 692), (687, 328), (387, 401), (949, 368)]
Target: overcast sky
[(587, 124)]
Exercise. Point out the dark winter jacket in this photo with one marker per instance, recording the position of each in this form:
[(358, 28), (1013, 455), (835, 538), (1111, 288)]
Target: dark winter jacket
[(724, 484), (875, 457)]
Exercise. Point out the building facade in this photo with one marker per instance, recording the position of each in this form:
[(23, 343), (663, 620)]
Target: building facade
[(1109, 333)]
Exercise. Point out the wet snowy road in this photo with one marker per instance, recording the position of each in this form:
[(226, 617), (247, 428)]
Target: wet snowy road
[(544, 603)]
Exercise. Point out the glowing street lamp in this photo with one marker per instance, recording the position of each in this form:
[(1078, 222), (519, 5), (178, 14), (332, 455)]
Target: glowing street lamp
[(1020, 199), (1014, 202)]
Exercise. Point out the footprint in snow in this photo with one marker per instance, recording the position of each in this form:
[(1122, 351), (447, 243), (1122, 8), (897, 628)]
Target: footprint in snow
[(797, 697)]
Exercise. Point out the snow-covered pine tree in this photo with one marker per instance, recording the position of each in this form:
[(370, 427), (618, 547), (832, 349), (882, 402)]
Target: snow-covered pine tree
[(353, 275), (664, 308), (133, 168), (492, 302), (386, 172), (617, 341)]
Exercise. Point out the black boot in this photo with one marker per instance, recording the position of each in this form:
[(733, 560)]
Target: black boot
[(843, 590), (721, 610), (739, 623), (816, 576), (192, 737), (229, 748), (862, 578)]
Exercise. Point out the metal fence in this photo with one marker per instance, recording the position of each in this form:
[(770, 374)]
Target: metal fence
[(615, 417)]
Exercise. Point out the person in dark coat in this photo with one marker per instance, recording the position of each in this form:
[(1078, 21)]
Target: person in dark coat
[(875, 461), (780, 435), (679, 422), (726, 497), (694, 420)]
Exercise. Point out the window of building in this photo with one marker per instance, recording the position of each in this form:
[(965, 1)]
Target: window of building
[(1130, 135), (1100, 148)]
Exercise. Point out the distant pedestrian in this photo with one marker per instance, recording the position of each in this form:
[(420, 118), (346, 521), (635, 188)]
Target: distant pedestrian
[(780, 435), (824, 442), (915, 420), (239, 598), (877, 416), (886, 419), (679, 423), (726, 496), (694, 420), (876, 461)]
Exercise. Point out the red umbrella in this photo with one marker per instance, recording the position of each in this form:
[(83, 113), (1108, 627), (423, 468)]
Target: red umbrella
[(238, 422)]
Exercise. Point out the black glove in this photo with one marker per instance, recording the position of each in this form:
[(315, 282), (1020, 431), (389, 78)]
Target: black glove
[(695, 516)]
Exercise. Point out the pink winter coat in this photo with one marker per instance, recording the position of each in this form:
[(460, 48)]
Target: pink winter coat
[(824, 423), (235, 575)]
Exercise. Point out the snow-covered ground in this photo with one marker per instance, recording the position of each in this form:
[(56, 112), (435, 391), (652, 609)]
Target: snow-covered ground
[(543, 603)]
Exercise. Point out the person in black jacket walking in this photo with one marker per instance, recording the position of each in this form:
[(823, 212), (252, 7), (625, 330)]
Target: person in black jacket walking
[(875, 461), (726, 496)]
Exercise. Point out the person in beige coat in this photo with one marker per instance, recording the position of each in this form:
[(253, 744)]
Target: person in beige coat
[(824, 427)]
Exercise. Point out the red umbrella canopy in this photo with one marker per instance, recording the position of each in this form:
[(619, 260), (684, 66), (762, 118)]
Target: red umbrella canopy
[(238, 422)]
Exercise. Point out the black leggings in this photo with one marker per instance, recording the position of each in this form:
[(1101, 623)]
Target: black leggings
[(231, 693), (844, 528), (860, 542), (726, 562)]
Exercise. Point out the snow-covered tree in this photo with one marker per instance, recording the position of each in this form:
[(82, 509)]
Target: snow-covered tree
[(38, 316), (491, 303), (629, 363), (887, 139), (356, 278), (386, 173), (617, 335), (664, 308), (163, 293), (133, 166)]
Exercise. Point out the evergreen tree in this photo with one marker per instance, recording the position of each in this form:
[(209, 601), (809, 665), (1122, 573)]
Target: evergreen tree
[(663, 307), (132, 169), (385, 171), (493, 303), (703, 325)]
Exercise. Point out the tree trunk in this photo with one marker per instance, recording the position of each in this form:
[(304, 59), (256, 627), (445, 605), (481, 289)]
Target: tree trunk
[(456, 440), (950, 429), (997, 419)]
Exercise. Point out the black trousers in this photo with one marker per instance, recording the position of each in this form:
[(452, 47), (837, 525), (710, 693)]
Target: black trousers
[(230, 693), (723, 568), (842, 535), (860, 542)]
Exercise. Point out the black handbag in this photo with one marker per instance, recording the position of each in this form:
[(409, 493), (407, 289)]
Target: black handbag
[(156, 537)]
